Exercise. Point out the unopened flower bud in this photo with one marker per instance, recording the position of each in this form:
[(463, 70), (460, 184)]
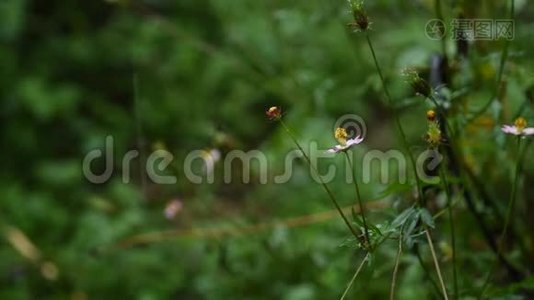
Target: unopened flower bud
[(419, 85), (274, 113), (361, 21), (431, 115), (433, 135)]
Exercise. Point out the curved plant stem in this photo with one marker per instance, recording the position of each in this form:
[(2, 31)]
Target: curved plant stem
[(462, 170), (498, 85), (395, 270), (453, 238), (360, 204), (436, 264), (412, 161), (509, 212), (354, 277), (325, 186), (396, 117)]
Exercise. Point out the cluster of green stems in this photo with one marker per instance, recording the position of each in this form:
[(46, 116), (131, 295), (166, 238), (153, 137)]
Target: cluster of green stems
[(364, 238)]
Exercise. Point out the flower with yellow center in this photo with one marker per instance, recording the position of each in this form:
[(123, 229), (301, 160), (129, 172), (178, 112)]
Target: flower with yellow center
[(344, 144), (520, 123), (519, 128), (341, 135)]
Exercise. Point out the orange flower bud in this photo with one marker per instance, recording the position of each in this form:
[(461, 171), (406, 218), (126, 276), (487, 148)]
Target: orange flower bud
[(274, 113), (431, 115)]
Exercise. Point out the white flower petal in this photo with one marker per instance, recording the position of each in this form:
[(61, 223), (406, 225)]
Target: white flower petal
[(510, 129), (348, 144), (332, 150), (528, 131), (354, 141), (336, 149)]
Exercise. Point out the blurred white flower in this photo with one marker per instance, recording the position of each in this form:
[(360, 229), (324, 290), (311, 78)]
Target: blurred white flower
[(172, 208), (210, 157)]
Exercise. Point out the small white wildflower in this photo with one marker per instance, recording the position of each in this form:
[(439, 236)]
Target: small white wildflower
[(519, 128), (344, 143)]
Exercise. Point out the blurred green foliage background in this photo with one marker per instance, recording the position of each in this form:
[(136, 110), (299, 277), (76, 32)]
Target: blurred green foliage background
[(187, 75)]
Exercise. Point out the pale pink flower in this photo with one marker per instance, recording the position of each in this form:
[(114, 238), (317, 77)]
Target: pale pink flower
[(172, 208), (344, 144), (519, 128)]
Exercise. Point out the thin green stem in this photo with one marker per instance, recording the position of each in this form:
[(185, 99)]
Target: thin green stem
[(407, 149), (439, 15), (442, 113), (359, 199), (395, 270), (498, 85), (412, 160), (448, 193), (140, 140), (325, 186), (427, 273), (396, 117), (354, 277), (509, 212), (464, 173), (436, 264), (446, 209), (453, 238)]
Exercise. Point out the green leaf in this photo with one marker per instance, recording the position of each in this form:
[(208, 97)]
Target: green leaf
[(374, 229), (358, 221), (401, 219), (408, 230), (426, 217)]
